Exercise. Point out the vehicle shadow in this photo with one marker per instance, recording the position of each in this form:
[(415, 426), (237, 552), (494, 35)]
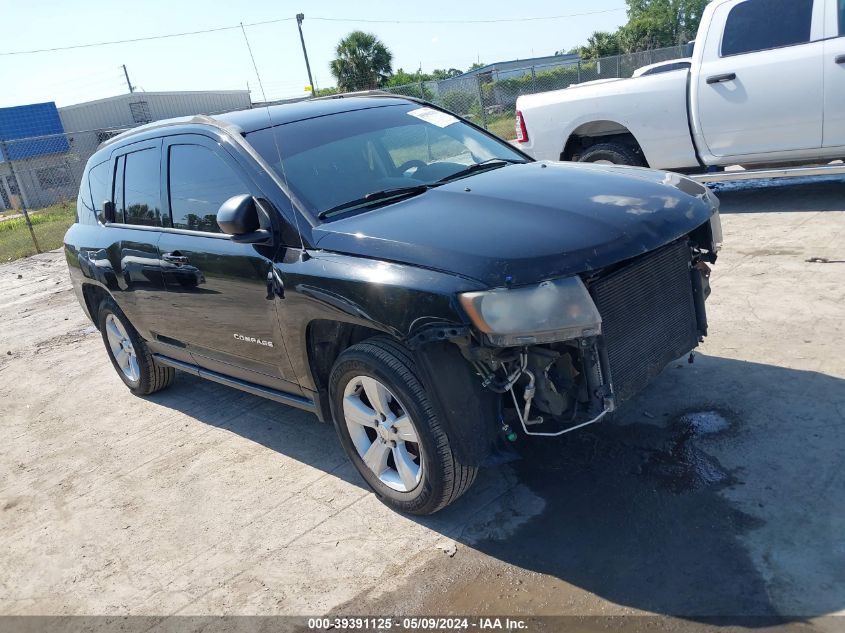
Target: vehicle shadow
[(777, 196), (718, 492)]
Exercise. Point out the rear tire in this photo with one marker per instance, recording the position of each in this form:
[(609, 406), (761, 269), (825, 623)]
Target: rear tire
[(129, 354), (615, 153), (381, 369)]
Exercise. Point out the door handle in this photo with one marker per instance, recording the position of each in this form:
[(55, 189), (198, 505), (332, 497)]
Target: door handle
[(718, 79), (840, 59), (175, 258)]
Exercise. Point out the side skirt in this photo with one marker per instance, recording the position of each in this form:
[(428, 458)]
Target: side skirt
[(258, 390)]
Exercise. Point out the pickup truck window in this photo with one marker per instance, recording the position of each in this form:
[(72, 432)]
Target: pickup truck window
[(665, 68), (841, 17), (200, 181), (758, 25)]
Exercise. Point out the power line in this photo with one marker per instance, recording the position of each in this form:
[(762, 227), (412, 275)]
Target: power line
[(143, 39), (350, 20), (490, 21)]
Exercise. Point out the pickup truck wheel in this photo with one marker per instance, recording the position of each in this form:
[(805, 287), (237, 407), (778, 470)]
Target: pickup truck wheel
[(129, 354), (389, 430), (612, 154)]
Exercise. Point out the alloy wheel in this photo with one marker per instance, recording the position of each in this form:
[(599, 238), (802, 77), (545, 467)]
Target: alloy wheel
[(122, 348), (383, 433)]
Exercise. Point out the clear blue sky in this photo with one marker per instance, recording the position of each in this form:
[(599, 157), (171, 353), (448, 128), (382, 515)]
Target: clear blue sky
[(216, 61)]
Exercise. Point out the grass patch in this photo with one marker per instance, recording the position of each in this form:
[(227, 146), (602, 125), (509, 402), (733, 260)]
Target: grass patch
[(49, 224), (502, 126)]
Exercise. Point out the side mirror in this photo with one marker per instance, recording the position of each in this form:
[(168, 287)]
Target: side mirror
[(689, 49), (108, 211), (238, 217)]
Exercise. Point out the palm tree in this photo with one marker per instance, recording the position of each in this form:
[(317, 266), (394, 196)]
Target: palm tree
[(362, 63)]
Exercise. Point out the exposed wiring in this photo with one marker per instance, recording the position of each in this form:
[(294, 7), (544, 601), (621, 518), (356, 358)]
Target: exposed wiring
[(489, 377), (598, 418)]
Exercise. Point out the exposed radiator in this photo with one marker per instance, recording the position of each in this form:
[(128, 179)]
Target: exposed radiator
[(648, 316)]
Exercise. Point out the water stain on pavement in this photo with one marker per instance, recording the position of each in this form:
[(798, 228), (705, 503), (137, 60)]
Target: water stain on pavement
[(630, 514), (679, 463)]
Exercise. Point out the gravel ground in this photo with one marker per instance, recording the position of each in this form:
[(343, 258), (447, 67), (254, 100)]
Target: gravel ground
[(720, 491)]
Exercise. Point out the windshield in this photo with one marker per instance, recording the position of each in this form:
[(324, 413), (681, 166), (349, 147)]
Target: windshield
[(332, 160)]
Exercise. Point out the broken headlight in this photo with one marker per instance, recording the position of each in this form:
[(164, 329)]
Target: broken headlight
[(556, 310)]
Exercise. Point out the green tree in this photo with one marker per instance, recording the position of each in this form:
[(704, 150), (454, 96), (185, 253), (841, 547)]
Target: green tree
[(601, 44), (659, 23), (326, 92), (363, 62), (476, 66), (441, 73), (403, 78), (651, 24)]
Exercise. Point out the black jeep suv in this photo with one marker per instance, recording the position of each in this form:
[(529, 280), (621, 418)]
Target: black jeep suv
[(392, 268)]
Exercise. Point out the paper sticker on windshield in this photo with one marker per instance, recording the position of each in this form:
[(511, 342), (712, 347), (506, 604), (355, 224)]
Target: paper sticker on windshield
[(435, 117)]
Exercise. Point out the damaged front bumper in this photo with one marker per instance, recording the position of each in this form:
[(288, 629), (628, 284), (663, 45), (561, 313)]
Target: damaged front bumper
[(629, 321)]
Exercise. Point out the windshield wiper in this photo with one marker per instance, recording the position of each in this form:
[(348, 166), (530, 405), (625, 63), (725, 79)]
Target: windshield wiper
[(490, 163), (375, 196)]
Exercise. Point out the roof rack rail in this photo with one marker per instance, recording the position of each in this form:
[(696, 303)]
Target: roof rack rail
[(196, 119), (365, 93)]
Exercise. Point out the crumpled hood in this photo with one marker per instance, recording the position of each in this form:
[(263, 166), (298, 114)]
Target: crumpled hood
[(528, 222)]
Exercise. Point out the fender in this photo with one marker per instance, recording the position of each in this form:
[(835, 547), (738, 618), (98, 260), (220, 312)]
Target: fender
[(467, 411)]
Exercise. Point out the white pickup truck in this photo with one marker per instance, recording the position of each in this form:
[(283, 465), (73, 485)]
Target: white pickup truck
[(765, 87)]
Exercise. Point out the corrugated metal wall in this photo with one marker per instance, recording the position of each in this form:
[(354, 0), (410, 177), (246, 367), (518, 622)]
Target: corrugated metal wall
[(133, 109)]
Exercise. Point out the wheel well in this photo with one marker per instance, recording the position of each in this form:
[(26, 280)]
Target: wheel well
[(326, 340), (94, 295), (588, 134)]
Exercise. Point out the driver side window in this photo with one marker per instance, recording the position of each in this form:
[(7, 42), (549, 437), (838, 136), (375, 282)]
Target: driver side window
[(200, 181)]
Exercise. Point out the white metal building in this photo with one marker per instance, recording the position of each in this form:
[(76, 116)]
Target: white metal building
[(101, 119), (46, 158)]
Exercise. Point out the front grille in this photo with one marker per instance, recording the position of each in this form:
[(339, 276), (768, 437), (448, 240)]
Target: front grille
[(648, 316)]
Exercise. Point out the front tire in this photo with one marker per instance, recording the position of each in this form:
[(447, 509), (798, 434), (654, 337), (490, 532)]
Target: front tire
[(129, 354), (612, 154), (389, 430)]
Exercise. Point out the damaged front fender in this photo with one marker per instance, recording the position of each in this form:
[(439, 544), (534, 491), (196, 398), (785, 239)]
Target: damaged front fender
[(468, 412)]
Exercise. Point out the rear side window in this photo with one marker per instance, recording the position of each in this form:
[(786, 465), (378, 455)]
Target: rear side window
[(200, 181), (142, 188), (757, 25), (117, 198), (99, 188)]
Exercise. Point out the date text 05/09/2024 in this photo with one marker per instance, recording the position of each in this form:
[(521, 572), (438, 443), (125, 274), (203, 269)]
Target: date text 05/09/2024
[(417, 624)]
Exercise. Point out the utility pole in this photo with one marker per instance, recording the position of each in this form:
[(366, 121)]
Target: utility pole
[(128, 83), (299, 18)]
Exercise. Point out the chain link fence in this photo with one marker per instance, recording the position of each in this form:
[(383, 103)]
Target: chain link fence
[(40, 175), (37, 194), (488, 97)]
